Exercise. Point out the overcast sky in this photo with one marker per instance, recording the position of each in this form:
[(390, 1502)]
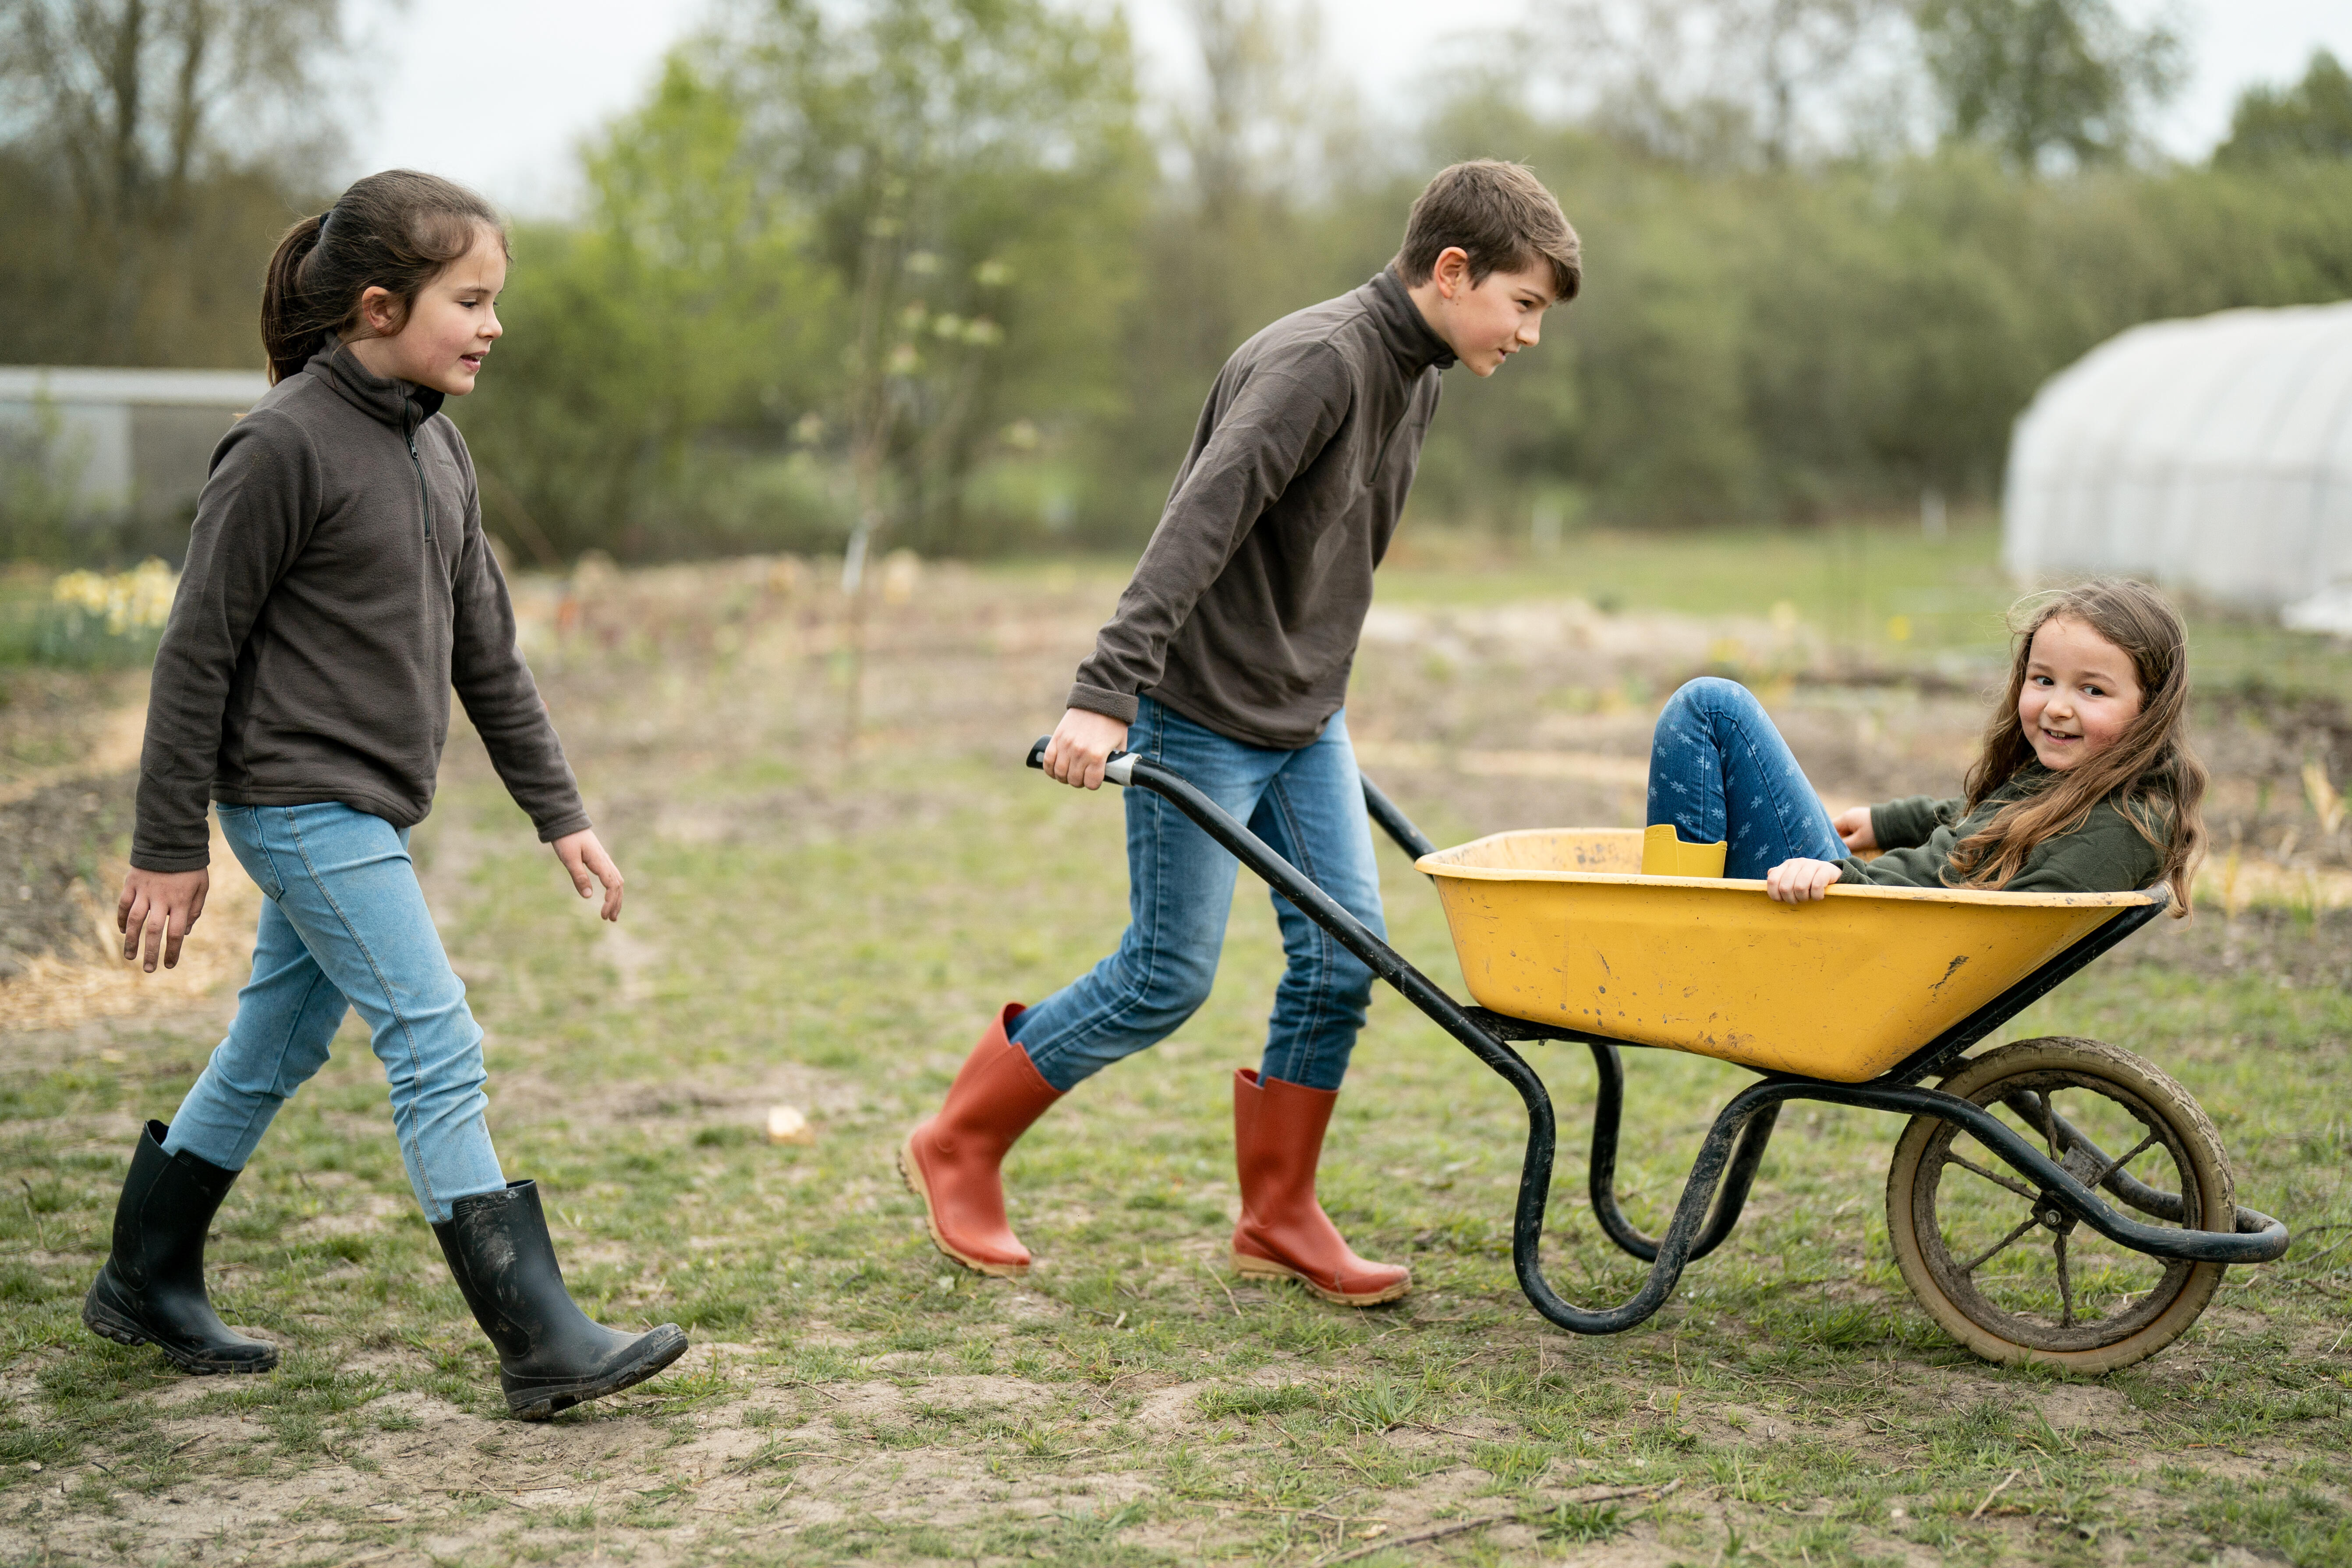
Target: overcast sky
[(497, 92)]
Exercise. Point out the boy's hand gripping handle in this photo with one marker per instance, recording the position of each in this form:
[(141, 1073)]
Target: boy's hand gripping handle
[(1118, 768)]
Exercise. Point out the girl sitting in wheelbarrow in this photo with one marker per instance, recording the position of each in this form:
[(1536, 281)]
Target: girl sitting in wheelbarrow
[(2085, 785)]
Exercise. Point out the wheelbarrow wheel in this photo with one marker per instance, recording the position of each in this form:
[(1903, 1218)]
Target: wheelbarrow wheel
[(2018, 1280)]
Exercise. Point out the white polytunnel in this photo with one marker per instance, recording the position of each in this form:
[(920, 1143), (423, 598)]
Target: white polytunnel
[(2212, 454)]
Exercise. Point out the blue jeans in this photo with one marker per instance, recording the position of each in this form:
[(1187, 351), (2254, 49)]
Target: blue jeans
[(1721, 773), (344, 925), (1309, 806)]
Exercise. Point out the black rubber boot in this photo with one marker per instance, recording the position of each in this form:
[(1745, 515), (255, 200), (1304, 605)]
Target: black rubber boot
[(151, 1290), (551, 1356)]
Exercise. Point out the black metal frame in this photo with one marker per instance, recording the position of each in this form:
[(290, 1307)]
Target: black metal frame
[(1725, 1170)]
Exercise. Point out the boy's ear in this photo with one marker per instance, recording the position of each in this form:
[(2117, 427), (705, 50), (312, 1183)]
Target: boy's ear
[(1451, 271)]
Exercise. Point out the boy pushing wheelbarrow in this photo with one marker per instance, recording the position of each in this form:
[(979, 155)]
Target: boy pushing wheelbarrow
[(1228, 659)]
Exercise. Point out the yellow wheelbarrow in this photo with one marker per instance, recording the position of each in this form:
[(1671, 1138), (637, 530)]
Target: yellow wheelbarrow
[(1994, 1197)]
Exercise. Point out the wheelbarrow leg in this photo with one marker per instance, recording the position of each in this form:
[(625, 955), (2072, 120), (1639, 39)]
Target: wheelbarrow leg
[(1608, 1112), (1740, 1177), (1674, 1250), (1746, 1156)]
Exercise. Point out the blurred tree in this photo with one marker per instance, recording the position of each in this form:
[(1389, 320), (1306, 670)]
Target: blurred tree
[(2311, 118), (1264, 121), (135, 128), (908, 262), (1725, 82), (1804, 343), (1255, 217), (1654, 356), (1798, 49), (2046, 79), (1898, 334), (677, 311), (972, 174)]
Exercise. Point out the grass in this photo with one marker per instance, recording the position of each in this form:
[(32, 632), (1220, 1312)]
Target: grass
[(1881, 595), (830, 929)]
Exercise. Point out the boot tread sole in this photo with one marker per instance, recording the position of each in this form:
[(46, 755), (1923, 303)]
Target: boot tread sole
[(1251, 1267), (108, 1325), (538, 1404), (911, 1172)]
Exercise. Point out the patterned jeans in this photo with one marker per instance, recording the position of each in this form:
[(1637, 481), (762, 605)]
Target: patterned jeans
[(1721, 773)]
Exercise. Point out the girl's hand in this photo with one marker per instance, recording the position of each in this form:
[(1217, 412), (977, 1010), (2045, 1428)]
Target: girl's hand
[(1854, 827), (583, 855), (158, 909), (1796, 881)]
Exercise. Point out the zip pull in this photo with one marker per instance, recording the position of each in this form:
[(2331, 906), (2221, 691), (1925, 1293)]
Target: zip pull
[(424, 495)]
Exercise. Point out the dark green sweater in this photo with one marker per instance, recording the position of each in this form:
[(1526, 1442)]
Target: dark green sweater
[(2105, 855)]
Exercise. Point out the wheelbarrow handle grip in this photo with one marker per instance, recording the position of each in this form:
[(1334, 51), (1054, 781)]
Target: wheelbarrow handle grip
[(1118, 768)]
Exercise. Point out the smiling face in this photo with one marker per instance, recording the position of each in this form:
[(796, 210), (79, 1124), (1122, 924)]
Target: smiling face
[(2081, 693), (1484, 323), (448, 328)]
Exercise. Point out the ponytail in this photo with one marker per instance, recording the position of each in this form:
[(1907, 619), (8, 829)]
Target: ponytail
[(285, 338), (394, 231)]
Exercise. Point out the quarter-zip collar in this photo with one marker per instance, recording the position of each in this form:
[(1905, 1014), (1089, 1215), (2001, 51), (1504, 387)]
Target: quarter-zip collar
[(402, 404), (1402, 327)]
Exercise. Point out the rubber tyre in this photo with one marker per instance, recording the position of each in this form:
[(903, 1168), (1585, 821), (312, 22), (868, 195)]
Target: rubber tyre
[(2190, 1286)]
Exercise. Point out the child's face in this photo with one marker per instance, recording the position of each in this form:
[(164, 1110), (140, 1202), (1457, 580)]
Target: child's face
[(1486, 323), (2081, 693), (451, 324)]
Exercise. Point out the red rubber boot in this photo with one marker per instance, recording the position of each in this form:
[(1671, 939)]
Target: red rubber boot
[(1284, 1233), (950, 1160)]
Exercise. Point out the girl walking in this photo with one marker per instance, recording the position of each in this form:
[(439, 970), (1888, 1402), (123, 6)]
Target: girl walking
[(338, 585), (2085, 782)]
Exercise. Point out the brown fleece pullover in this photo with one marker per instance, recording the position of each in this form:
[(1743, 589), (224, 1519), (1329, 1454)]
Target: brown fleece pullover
[(338, 584), (1244, 612)]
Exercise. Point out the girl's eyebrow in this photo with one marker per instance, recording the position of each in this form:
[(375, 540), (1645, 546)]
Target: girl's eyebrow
[(2092, 676)]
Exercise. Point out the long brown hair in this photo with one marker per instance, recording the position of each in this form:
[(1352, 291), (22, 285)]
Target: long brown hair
[(393, 231), (2154, 776)]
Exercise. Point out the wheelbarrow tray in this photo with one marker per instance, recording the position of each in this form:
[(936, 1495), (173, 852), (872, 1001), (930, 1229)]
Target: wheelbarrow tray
[(1558, 926)]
